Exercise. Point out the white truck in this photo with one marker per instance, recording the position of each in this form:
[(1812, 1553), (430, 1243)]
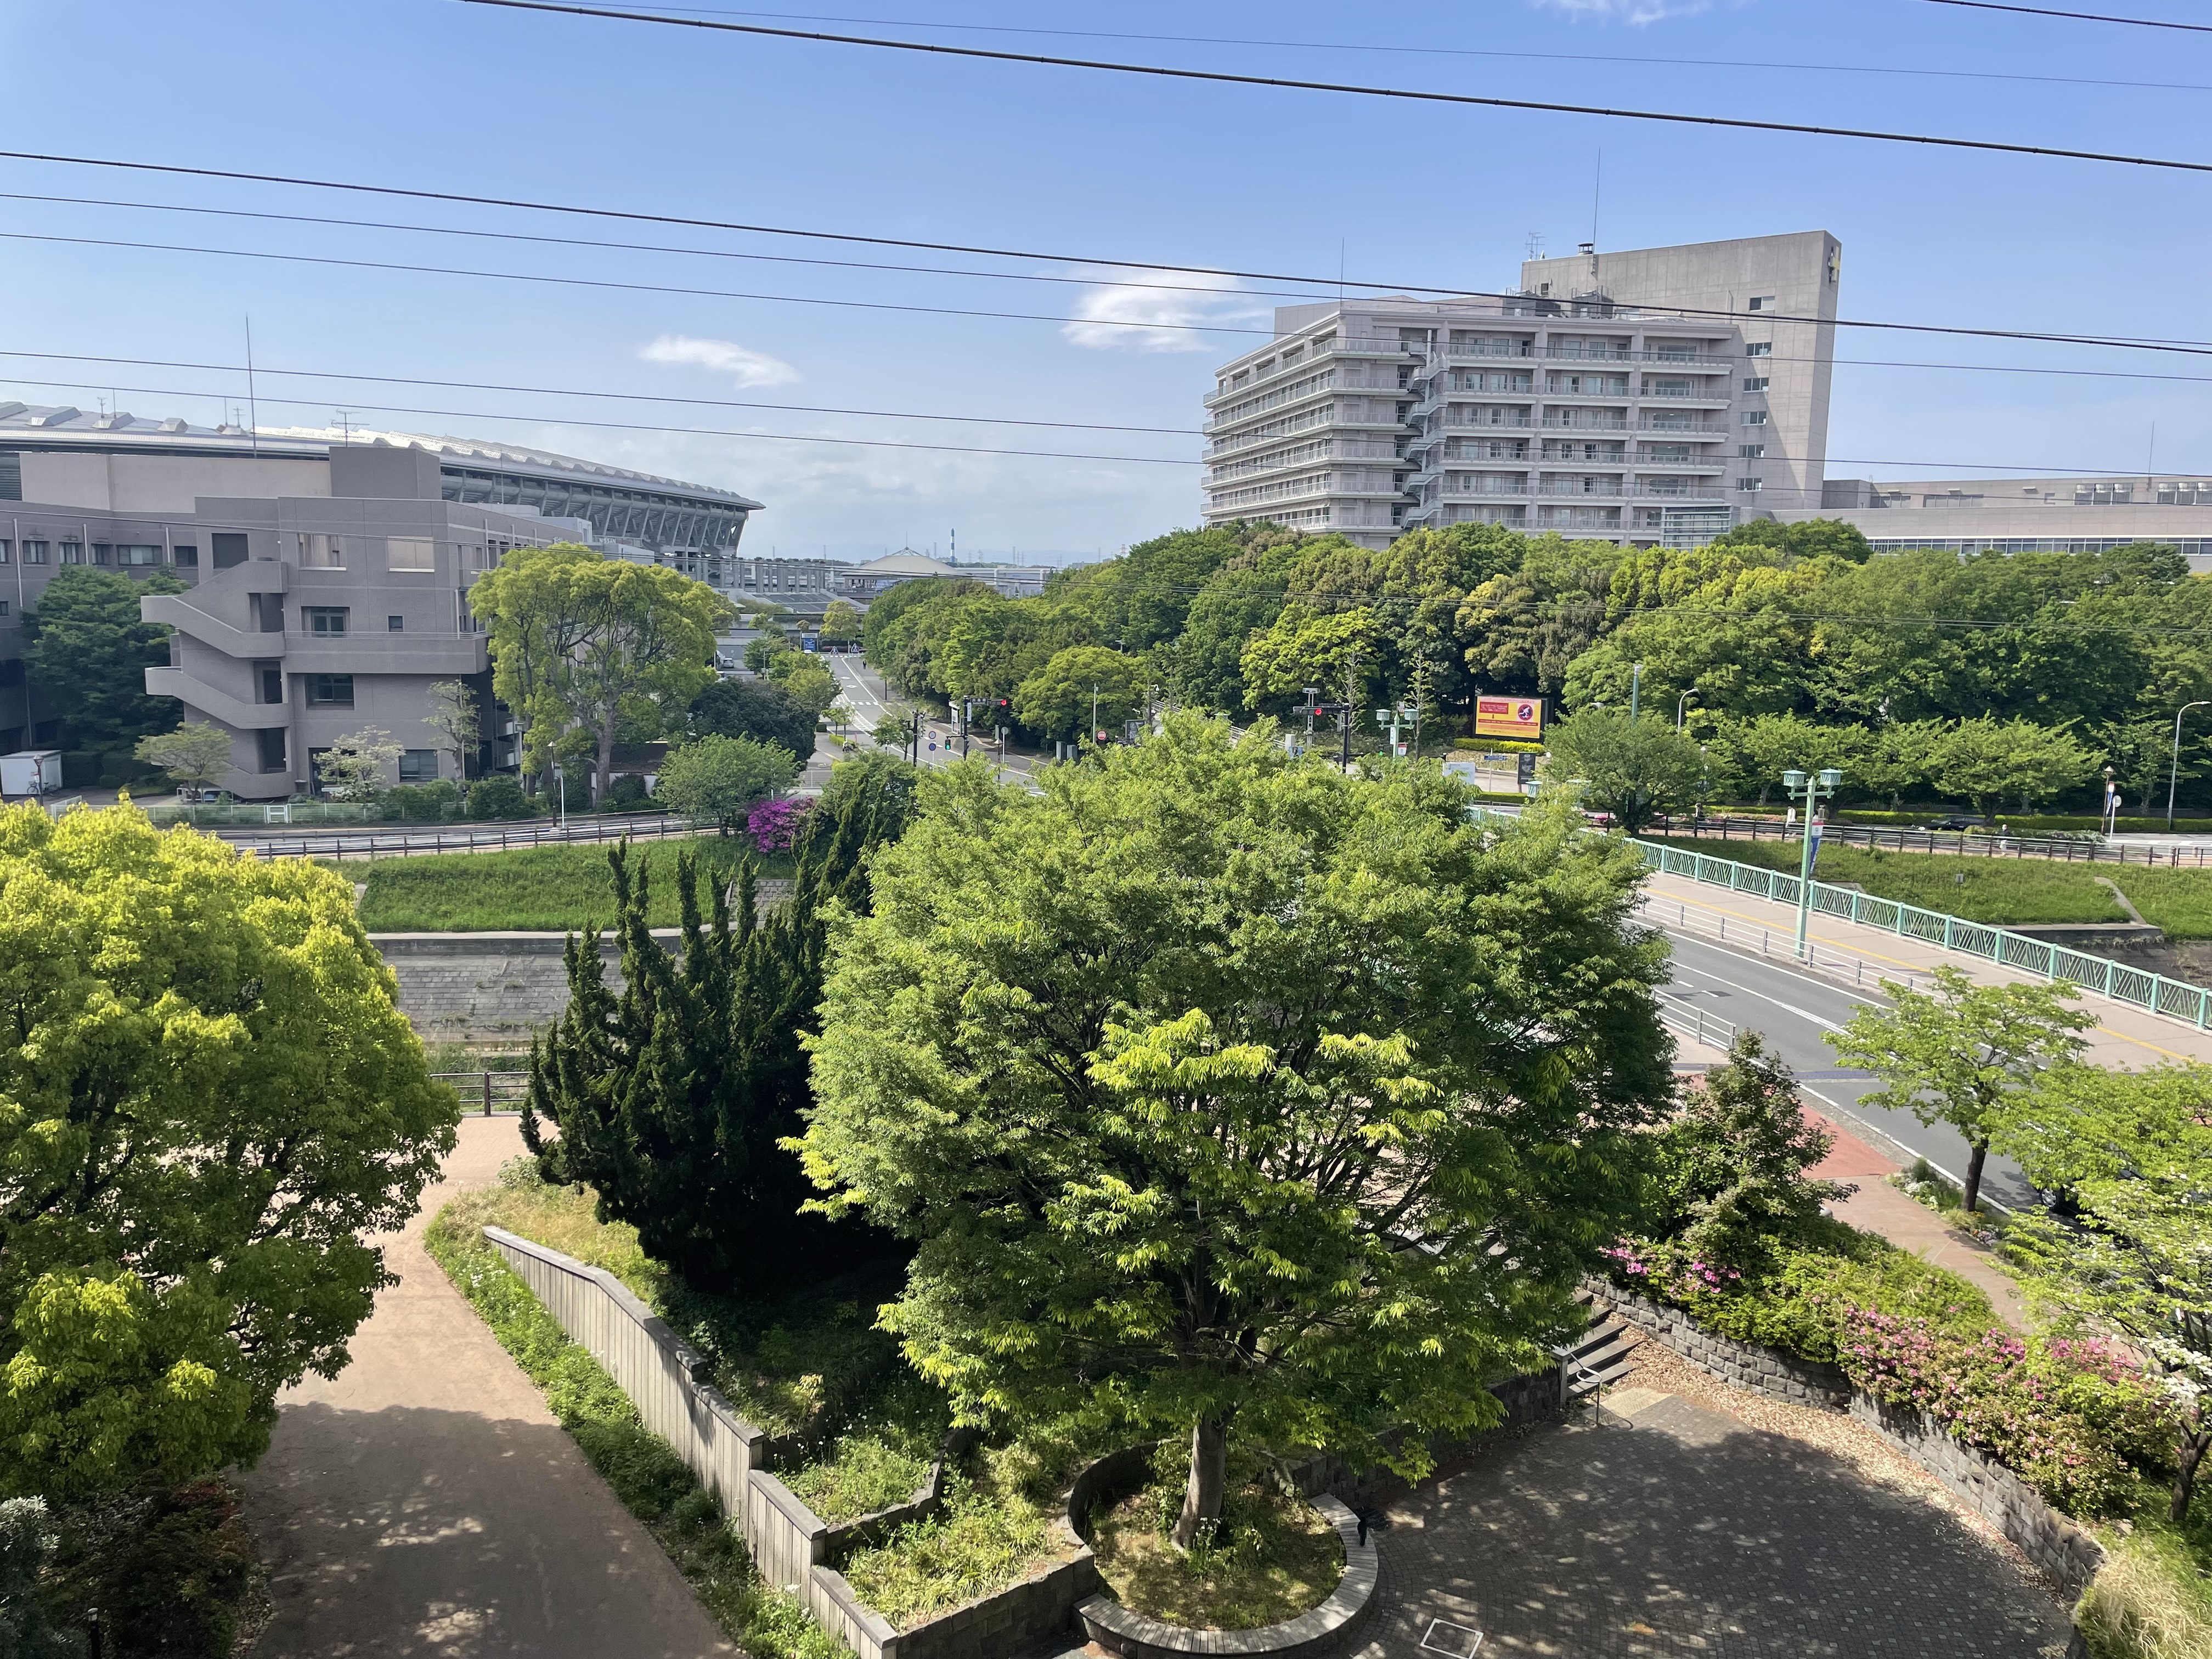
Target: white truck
[(31, 772)]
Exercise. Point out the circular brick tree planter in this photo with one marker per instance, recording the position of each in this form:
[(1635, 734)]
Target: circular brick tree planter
[(1133, 1635)]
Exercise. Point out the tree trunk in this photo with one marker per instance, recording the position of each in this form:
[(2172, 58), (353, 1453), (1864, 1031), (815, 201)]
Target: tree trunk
[(602, 774), (1209, 1475), (1979, 1150), (2195, 1437)]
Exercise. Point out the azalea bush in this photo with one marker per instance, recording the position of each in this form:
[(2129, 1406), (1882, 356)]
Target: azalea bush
[(774, 824)]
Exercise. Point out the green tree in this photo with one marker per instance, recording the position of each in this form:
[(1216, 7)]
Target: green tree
[(765, 649), (354, 766), (673, 1097), (1809, 538), (1962, 1053), (88, 653), (1990, 761), (840, 623), (196, 755), (1329, 649), (596, 646), (1224, 1093), (805, 679), (1899, 756), (28, 1541), (1753, 754), (457, 716), (1520, 631), (213, 1104), (754, 708), (1630, 768), (718, 781), (1056, 700), (2125, 1153), (1733, 1162)]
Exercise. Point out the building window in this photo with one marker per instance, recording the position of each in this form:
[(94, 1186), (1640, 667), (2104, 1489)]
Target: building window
[(4, 552), (1758, 348), (139, 555), (329, 621), (35, 552), (418, 765), (1755, 383), (1754, 417), (269, 678), (330, 690), (1762, 302), (272, 741), (230, 548), (1751, 451), (3, 607), (410, 553), (100, 551), (72, 552), (184, 558), (395, 624), (1751, 486)]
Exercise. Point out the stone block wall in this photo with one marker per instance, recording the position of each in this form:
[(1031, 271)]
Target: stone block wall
[(1748, 1364)]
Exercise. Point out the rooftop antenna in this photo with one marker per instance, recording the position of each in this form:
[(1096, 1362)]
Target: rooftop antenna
[(2151, 482), (1535, 244), (1340, 271), (345, 423), (1597, 191), (252, 402)]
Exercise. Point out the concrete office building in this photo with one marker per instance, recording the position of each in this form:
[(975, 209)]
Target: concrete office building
[(2026, 516), (1648, 397), (327, 580)]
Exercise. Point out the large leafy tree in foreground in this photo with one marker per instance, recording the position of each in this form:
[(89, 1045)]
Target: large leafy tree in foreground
[(673, 1097), (1225, 1094), (89, 653), (207, 1103)]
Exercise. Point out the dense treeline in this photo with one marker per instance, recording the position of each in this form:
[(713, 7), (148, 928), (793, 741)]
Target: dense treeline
[(1792, 637)]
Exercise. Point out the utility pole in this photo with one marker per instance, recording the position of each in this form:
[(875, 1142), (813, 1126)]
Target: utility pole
[(1094, 711), (1635, 689), (1344, 726)]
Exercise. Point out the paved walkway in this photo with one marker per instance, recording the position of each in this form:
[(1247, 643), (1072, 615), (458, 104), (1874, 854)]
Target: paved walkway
[(1677, 1530), (426, 1505), (2124, 1036)]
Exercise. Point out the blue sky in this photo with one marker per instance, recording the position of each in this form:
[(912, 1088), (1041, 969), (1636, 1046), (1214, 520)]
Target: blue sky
[(432, 94)]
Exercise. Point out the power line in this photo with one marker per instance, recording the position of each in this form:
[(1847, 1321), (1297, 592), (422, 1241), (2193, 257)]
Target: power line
[(2078, 16), (1459, 51), (631, 288), (1327, 283), (573, 391), (1351, 89), (624, 426)]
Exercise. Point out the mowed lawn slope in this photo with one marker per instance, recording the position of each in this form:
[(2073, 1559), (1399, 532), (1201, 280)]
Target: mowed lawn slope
[(534, 889)]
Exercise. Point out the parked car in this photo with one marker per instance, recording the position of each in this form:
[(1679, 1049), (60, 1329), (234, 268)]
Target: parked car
[(1965, 821)]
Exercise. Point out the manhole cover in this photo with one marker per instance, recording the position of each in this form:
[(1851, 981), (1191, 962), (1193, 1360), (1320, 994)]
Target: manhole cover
[(1446, 1637)]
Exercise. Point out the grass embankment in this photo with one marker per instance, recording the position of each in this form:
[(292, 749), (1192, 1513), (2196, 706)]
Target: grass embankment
[(533, 889), (810, 1364), (2003, 891)]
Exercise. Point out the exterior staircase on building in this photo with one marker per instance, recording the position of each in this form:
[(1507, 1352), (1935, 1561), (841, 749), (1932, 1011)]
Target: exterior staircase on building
[(1600, 1354)]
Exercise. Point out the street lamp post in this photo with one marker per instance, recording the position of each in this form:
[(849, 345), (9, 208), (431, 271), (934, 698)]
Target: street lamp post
[(2111, 803), (1094, 713), (2174, 776), (561, 790), (1679, 702), (1816, 787), (1635, 689)]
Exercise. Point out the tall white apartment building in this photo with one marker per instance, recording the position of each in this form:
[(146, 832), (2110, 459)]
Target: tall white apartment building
[(1650, 397)]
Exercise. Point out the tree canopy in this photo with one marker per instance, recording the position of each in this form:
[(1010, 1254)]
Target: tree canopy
[(718, 781), (754, 708), (88, 653), (1632, 768), (1220, 1091), (211, 1103)]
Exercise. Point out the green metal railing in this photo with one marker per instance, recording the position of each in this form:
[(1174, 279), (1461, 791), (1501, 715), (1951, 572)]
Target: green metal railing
[(2176, 1000)]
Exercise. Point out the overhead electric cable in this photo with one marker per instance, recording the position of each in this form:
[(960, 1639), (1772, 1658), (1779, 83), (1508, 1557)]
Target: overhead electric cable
[(1348, 88), (575, 391), (616, 426), (1453, 51), (2079, 16), (627, 288), (1327, 283)]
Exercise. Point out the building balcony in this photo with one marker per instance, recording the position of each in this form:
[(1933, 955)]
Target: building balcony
[(1680, 463), (1686, 424), (1698, 395), (235, 712), (1450, 425), (175, 610), (1586, 423)]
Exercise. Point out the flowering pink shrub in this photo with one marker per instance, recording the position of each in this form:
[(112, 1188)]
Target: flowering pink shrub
[(774, 824)]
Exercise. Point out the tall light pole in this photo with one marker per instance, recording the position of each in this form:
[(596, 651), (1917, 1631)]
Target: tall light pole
[(1635, 689), (2174, 776), (1816, 787), (1679, 702), (1094, 712)]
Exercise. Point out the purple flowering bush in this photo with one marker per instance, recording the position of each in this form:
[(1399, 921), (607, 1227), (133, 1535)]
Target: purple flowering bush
[(774, 824)]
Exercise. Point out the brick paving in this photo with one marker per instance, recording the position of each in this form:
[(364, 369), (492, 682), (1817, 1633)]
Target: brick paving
[(1680, 1530)]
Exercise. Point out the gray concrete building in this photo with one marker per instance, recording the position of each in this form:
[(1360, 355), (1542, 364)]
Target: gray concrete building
[(327, 581), (1640, 396), (2026, 516)]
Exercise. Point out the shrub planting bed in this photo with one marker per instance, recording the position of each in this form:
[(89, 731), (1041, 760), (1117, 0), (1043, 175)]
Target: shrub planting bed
[(1273, 1557)]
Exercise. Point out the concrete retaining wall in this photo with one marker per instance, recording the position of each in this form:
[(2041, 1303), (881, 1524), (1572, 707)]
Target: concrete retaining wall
[(2062, 1552)]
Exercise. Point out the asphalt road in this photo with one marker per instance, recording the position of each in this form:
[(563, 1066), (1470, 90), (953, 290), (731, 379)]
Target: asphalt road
[(1792, 1010)]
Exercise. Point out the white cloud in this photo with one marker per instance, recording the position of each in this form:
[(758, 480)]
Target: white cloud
[(1141, 311), (746, 368), (1628, 11)]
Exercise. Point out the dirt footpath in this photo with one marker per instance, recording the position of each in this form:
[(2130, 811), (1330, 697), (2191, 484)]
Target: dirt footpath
[(426, 1504)]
